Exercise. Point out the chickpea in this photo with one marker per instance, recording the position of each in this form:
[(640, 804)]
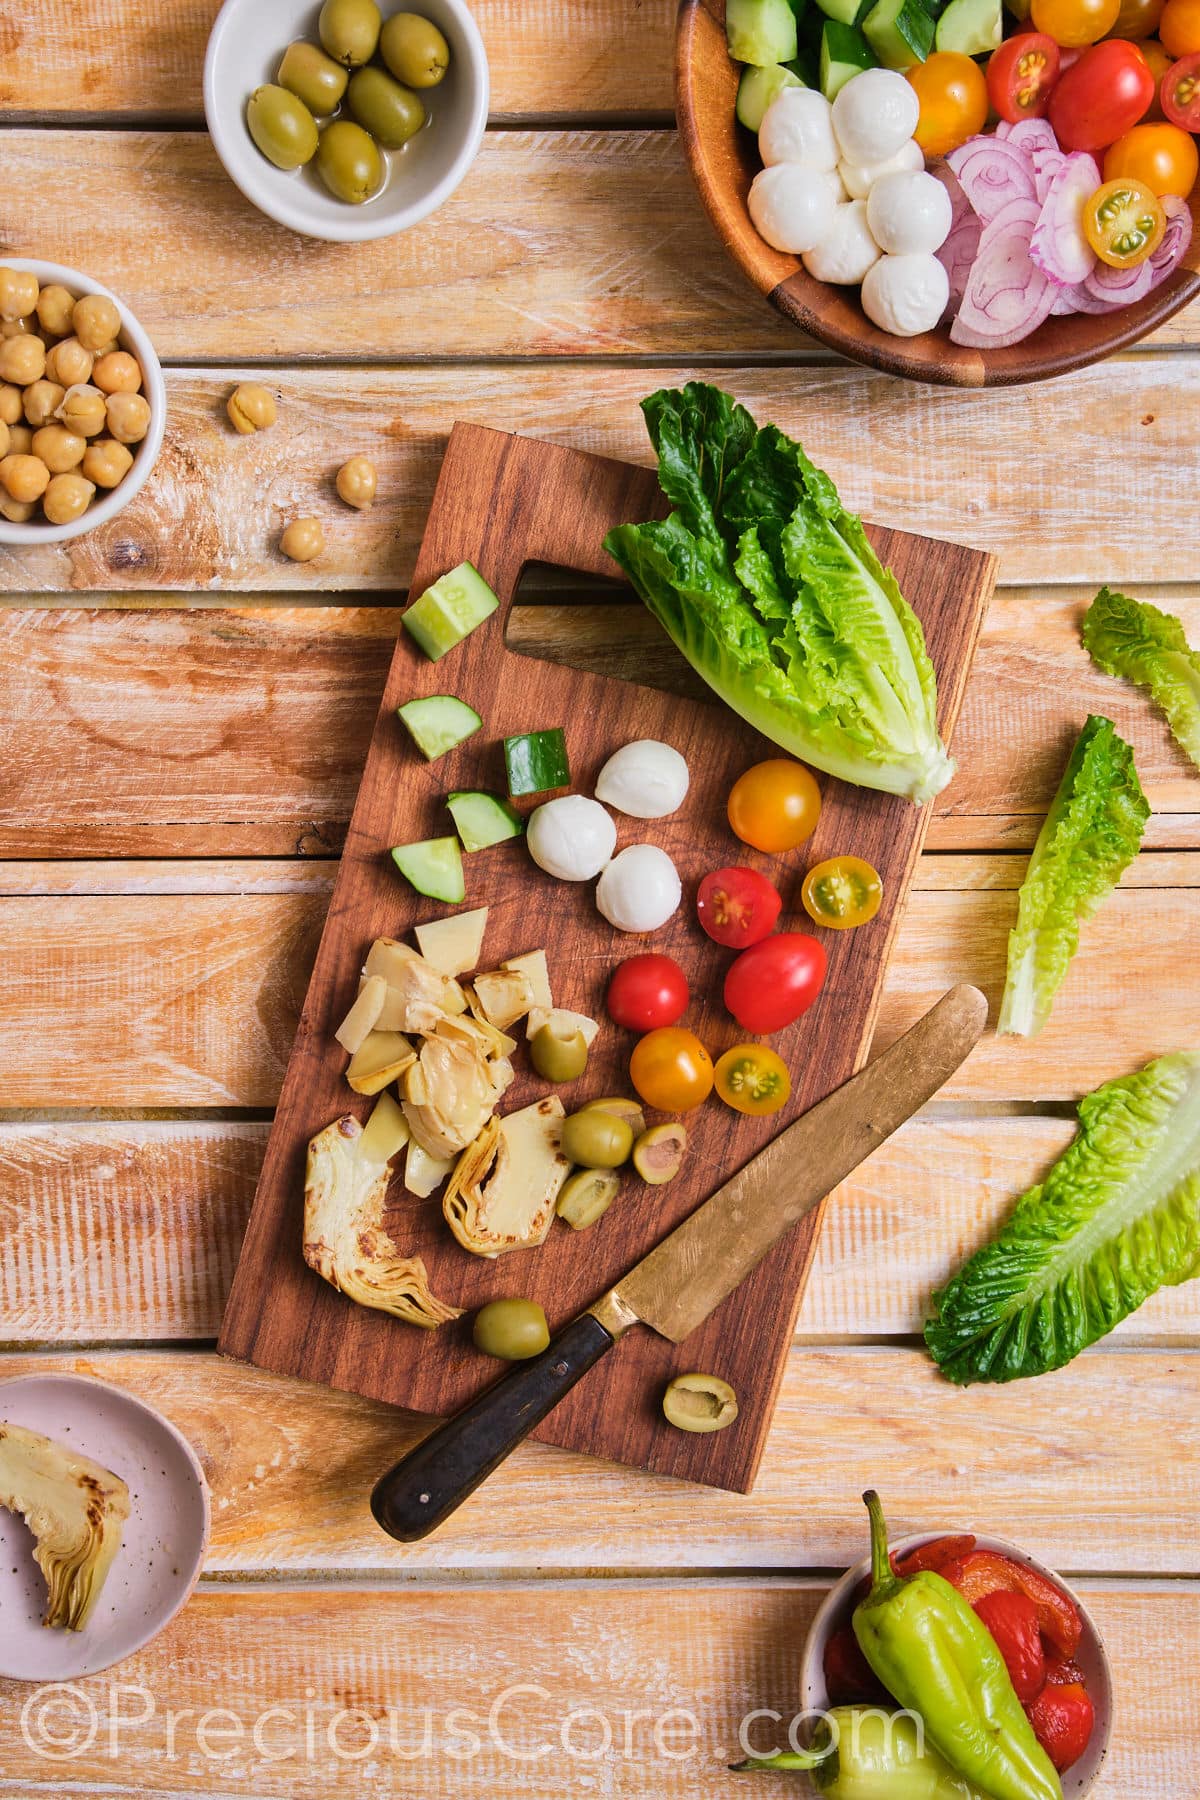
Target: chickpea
[(69, 363), (54, 308), (22, 360), (83, 410), (12, 405), (97, 322), (128, 417), (42, 401), (18, 293), (67, 498), (18, 512), (302, 540), (20, 440), (357, 482), (251, 407), (61, 450), (15, 328), (5, 445), (24, 477), (117, 373), (106, 462)]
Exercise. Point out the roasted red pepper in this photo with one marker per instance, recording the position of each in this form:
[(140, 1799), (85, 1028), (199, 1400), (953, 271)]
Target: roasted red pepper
[(849, 1677), (984, 1572), (933, 1555), (1013, 1621), (1062, 1719), (1062, 1672)]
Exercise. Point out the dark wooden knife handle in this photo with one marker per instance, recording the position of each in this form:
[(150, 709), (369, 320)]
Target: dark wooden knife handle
[(433, 1480)]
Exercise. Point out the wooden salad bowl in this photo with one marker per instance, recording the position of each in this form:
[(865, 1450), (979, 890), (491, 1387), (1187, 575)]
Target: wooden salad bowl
[(724, 162)]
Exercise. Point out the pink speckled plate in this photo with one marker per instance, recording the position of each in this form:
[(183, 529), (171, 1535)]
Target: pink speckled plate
[(162, 1551)]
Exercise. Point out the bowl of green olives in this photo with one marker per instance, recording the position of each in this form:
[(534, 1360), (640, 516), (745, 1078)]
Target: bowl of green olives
[(346, 120)]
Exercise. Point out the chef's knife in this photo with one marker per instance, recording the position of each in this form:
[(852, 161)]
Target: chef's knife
[(675, 1287)]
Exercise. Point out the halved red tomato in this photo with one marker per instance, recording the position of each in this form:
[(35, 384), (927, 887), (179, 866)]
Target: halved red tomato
[(1180, 93), (737, 907), (1021, 74)]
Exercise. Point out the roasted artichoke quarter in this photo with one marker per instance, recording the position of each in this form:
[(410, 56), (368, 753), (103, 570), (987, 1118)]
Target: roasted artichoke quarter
[(344, 1238), (75, 1509), (503, 1191)]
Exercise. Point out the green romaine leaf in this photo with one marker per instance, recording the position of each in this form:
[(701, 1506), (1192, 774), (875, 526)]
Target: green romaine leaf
[(700, 435), (1134, 639), (1117, 1217), (1090, 836)]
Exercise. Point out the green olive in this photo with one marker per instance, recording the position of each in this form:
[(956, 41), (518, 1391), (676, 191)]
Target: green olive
[(511, 1329), (313, 77), (585, 1195), (348, 162), (414, 50), (558, 1058), (629, 1110), (700, 1403), (282, 127), (350, 30), (658, 1153), (597, 1140), (391, 113)]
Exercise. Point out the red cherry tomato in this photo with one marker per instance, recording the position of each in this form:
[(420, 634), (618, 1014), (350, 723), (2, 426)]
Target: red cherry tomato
[(1102, 97), (646, 992), (737, 907), (1021, 74), (770, 985), (1181, 93)]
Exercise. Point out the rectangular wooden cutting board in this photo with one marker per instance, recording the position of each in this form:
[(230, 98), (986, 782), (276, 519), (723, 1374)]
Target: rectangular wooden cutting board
[(503, 501)]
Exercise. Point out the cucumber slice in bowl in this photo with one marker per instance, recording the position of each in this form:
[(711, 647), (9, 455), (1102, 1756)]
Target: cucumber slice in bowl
[(434, 868), (449, 611), (483, 819), (438, 723)]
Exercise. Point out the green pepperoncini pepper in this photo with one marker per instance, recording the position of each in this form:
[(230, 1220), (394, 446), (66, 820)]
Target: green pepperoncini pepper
[(861, 1752), (937, 1658)]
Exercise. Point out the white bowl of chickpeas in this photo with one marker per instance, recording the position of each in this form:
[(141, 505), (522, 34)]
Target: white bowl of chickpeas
[(82, 404)]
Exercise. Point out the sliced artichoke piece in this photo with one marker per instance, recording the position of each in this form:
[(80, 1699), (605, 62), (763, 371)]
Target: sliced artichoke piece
[(379, 1060), (363, 1016), (503, 997), (386, 1131), (503, 1191), (75, 1509), (453, 945), (422, 1172), (344, 1238), (533, 964), (450, 1094)]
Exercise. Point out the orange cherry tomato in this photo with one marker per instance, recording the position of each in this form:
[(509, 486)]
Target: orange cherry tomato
[(842, 892), (1179, 28), (1158, 62), (1163, 157), (1075, 23), (953, 94), (1124, 223), (753, 1079), (775, 805), (671, 1069), (1138, 19)]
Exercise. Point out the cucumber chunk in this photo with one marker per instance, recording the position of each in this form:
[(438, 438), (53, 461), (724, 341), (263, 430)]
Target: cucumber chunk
[(900, 32), (449, 610), (757, 89), (438, 723), (846, 12), (434, 868), (845, 53), (535, 762), (974, 27), (483, 819), (760, 31)]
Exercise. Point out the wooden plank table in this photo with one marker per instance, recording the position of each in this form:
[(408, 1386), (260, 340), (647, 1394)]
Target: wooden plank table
[(184, 720)]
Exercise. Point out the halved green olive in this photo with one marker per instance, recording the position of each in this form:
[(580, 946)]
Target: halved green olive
[(596, 1140), (349, 30), (658, 1153), (586, 1195), (348, 162), (282, 127), (313, 77), (700, 1403), (620, 1108), (391, 113), (558, 1058), (414, 50), (511, 1329)]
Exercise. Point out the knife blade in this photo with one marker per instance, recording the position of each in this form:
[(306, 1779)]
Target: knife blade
[(676, 1285)]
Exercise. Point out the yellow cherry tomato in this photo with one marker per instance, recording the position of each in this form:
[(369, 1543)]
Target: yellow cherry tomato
[(953, 94), (1075, 23), (1179, 28), (1158, 62), (842, 892), (1138, 19), (775, 805), (753, 1079), (1124, 222), (671, 1069), (1163, 157)]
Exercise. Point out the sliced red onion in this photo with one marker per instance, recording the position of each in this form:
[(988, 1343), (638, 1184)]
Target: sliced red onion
[(1003, 129), (1063, 303), (958, 252), (1058, 246), (1007, 296), (1119, 287), (1176, 239), (1028, 134), (992, 174)]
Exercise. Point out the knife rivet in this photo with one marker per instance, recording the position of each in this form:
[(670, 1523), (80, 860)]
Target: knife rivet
[(560, 1368), (424, 1499)]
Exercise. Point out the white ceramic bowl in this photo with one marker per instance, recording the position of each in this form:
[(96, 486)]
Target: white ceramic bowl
[(133, 339), (1091, 1657), (244, 49)]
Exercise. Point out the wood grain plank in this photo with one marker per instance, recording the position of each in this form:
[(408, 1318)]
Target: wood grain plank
[(140, 1222), (984, 468), (1070, 1465)]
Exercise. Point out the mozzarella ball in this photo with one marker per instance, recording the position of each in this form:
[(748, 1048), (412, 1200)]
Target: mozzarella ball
[(909, 211), (847, 250), (792, 208), (860, 178), (906, 294), (874, 114), (571, 837), (646, 779), (797, 127), (640, 889)]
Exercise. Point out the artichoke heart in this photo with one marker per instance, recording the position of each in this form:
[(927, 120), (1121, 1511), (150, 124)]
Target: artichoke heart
[(503, 1191), (75, 1509), (451, 1091), (344, 1238)]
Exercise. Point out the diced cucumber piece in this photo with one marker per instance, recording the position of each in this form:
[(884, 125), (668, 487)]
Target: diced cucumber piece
[(483, 819), (535, 762), (449, 610), (434, 868), (845, 53), (900, 32), (438, 723), (973, 27), (757, 89), (760, 31), (846, 12)]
